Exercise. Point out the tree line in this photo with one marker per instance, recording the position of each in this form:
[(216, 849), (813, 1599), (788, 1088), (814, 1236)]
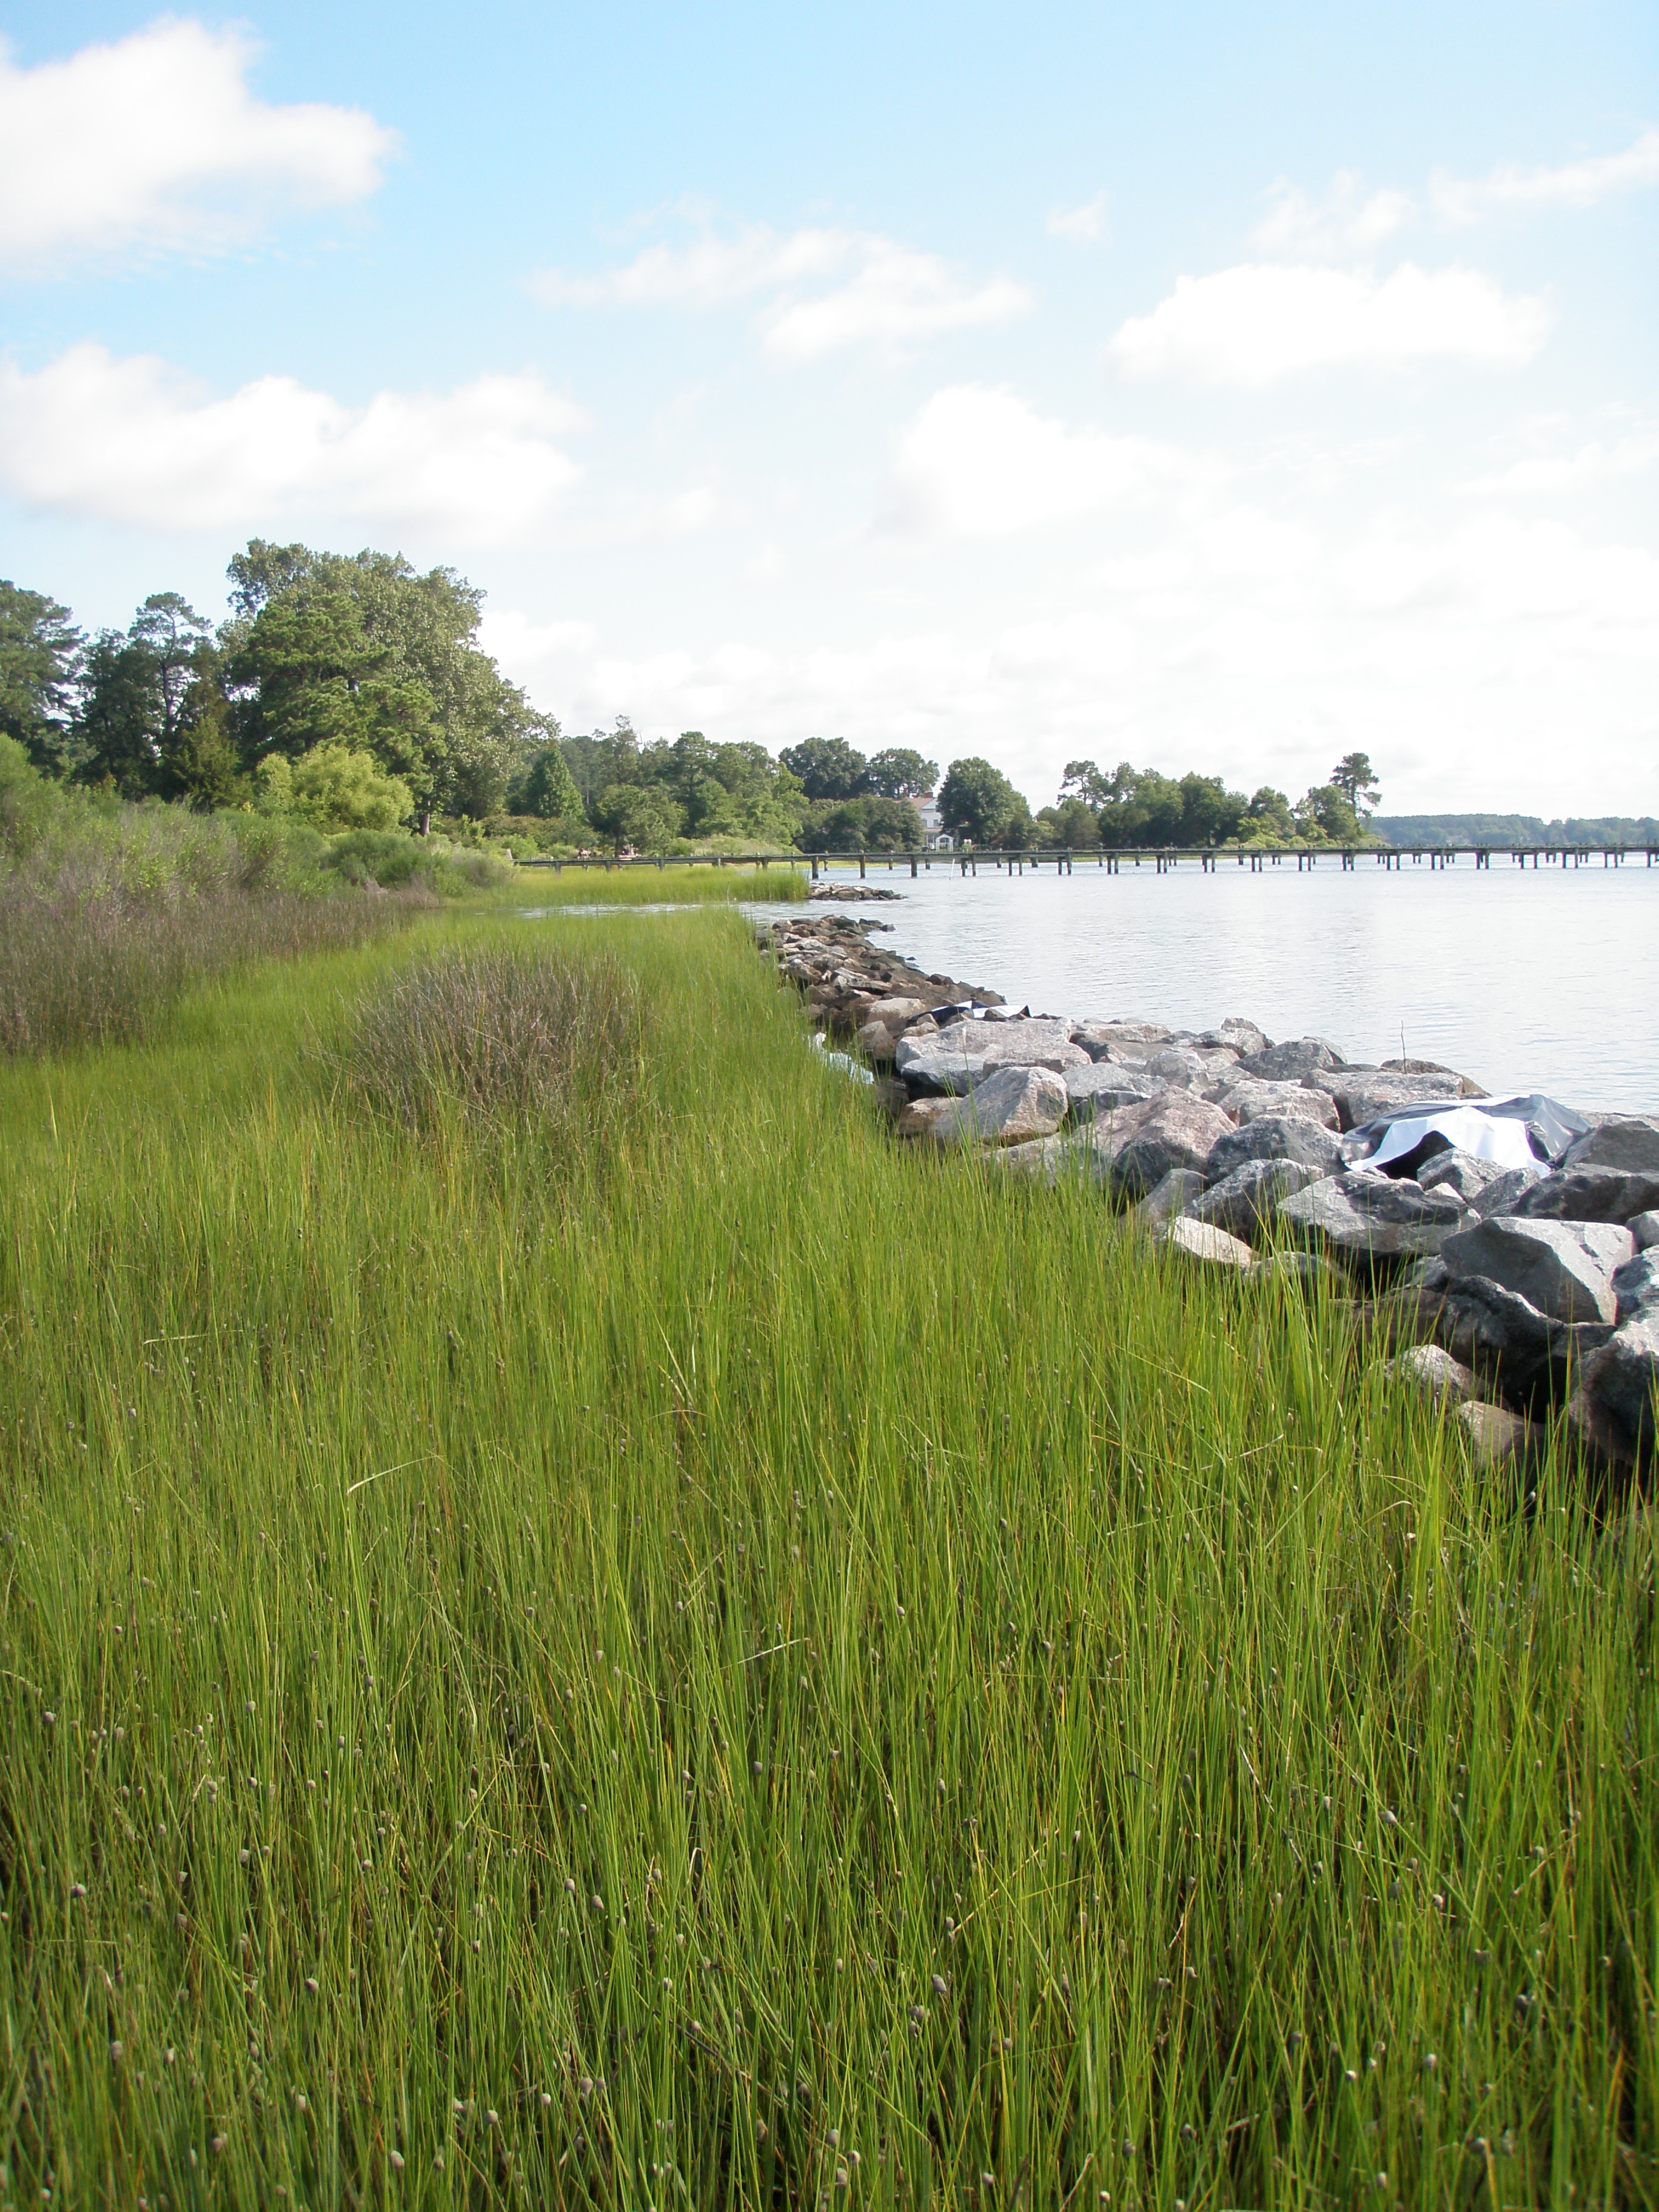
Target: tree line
[(351, 691)]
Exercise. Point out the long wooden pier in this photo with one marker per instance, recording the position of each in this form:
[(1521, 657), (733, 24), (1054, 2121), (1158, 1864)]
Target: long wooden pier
[(1112, 860)]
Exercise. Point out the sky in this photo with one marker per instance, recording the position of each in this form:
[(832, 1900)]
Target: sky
[(1214, 385)]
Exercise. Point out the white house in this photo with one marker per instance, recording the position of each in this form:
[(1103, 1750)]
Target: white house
[(934, 837)]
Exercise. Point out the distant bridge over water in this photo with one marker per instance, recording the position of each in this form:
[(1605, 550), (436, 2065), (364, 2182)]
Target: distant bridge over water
[(1209, 859)]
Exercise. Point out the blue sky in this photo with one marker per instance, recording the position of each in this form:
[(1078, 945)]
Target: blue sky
[(1205, 385)]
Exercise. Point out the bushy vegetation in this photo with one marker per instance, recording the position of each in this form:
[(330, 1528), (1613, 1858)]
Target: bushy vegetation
[(679, 1655), (108, 911), (499, 1038)]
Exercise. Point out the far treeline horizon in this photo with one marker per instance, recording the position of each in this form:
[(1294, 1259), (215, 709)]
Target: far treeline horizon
[(351, 691)]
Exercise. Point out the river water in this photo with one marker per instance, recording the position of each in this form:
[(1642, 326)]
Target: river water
[(1545, 979)]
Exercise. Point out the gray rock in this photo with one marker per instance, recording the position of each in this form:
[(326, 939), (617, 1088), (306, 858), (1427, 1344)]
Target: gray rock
[(1173, 1196), (1289, 1061), (875, 1040), (1360, 1101), (896, 1013), (1629, 1142), (1208, 1245), (1563, 1268), (1244, 1201), (959, 1059), (1430, 1369), (1249, 1100), (1238, 1037), (1177, 1129), (1497, 1436), (1184, 1065), (1464, 1172), (1617, 1394), (917, 1119), (1012, 1106), (1502, 1193), (1301, 1269), (1645, 1230), (1099, 1038), (1589, 1193), (1114, 1126), (1636, 1284), (1275, 1138), (1504, 1336), (1099, 1086), (1363, 1218), (1051, 1160)]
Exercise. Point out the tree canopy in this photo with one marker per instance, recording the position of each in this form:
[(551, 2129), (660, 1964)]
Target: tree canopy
[(979, 807), (39, 664), (352, 689)]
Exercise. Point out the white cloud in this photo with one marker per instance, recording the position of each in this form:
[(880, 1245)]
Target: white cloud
[(1572, 184), (827, 288), (1596, 461), (979, 463), (1082, 225), (154, 144), (133, 441), (1349, 220), (1256, 324), (1237, 639)]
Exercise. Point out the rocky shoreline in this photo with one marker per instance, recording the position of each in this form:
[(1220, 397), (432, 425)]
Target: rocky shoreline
[(1516, 1292)]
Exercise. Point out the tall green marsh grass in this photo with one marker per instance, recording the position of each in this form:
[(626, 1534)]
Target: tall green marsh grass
[(598, 883), (683, 1657)]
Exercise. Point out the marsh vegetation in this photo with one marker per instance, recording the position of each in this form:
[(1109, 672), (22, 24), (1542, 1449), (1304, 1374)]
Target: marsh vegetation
[(656, 1651)]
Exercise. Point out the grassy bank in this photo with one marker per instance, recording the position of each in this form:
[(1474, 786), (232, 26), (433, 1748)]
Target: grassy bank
[(655, 1651), (677, 882)]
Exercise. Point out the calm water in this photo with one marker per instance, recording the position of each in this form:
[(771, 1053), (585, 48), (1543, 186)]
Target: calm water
[(1526, 980)]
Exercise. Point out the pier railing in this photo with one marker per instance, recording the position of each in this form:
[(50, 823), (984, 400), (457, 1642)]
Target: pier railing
[(1113, 859)]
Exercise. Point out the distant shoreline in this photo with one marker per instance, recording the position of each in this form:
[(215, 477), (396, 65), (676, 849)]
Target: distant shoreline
[(1422, 830)]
